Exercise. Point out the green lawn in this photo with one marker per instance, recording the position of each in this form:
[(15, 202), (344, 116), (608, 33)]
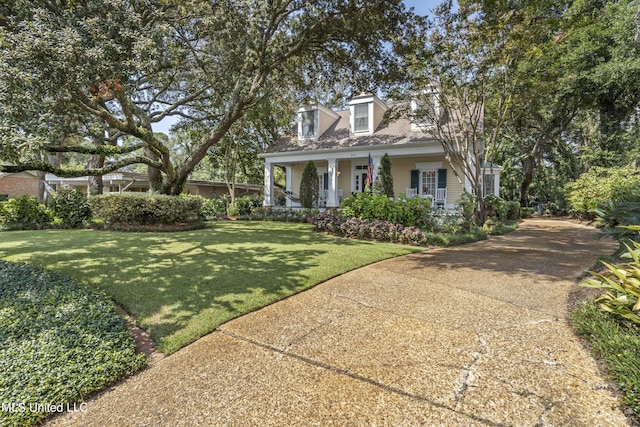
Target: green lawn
[(180, 286)]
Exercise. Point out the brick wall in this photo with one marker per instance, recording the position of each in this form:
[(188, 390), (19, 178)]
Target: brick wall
[(18, 185)]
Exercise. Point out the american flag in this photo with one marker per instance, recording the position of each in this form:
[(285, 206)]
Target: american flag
[(370, 171)]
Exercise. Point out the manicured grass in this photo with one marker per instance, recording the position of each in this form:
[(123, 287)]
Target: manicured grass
[(180, 286), (617, 342)]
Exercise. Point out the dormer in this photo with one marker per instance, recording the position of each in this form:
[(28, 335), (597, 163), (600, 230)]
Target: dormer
[(425, 109), (366, 113), (314, 119)]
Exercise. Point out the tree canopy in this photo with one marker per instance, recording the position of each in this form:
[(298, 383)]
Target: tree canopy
[(95, 77), (558, 82)]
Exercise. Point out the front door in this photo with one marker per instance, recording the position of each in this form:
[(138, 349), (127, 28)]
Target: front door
[(361, 181)]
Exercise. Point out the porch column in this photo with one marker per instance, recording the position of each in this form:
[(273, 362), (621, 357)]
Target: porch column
[(288, 187), (332, 194), (496, 184), (376, 167), (268, 184)]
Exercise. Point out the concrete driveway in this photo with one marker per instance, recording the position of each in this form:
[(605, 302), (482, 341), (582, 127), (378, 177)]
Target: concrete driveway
[(475, 335)]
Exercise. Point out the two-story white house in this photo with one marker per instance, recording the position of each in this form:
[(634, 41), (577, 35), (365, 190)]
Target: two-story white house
[(340, 144)]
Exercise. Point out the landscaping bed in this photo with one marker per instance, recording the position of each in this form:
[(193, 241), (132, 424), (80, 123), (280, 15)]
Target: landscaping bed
[(59, 342)]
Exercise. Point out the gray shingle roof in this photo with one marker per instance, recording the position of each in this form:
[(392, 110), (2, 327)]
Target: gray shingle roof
[(337, 136)]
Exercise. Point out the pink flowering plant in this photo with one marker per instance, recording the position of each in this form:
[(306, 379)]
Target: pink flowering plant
[(380, 230)]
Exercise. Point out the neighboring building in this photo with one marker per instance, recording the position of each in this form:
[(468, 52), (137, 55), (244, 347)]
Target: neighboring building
[(13, 185), (340, 144), (18, 184)]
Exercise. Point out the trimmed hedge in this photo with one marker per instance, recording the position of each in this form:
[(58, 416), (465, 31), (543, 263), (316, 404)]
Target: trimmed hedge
[(146, 209), (59, 342)]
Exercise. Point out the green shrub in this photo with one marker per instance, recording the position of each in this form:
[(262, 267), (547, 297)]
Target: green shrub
[(213, 208), (468, 204), (309, 186), (622, 283), (415, 211), (512, 208), (146, 209), (60, 341), (615, 216), (280, 214), (372, 207), (601, 185), (71, 207), (384, 180), (245, 204), (495, 207), (526, 212), (24, 212), (369, 206)]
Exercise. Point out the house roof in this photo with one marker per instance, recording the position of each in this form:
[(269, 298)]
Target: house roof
[(337, 136), (20, 174)]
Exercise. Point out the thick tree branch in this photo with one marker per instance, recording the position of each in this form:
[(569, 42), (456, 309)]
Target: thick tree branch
[(103, 150), (75, 173)]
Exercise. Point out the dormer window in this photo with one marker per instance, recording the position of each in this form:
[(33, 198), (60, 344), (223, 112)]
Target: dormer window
[(366, 113), (314, 119), (361, 118), (308, 123), (425, 110)]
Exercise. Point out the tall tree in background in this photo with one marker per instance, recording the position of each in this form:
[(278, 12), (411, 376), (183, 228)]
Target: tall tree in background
[(575, 92), (454, 73), (118, 67)]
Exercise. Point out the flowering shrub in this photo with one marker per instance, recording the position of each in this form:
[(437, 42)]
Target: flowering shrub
[(385, 231)]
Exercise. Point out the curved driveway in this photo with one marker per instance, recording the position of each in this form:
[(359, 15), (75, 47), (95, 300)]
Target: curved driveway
[(471, 335)]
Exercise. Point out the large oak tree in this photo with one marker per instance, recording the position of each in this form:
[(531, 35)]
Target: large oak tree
[(95, 76)]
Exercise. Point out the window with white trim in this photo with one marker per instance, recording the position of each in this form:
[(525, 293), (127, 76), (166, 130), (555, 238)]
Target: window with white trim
[(429, 182), (361, 118), (489, 184)]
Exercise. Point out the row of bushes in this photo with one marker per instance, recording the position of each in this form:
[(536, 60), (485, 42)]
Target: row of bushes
[(60, 342), (380, 230), (72, 209), (418, 212)]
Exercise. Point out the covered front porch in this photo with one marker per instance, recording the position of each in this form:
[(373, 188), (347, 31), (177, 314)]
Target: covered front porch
[(417, 172)]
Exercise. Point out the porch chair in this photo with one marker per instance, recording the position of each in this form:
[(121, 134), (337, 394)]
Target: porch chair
[(411, 193), (441, 198)]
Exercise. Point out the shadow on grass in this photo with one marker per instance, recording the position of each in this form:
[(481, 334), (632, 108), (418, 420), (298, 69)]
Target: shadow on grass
[(180, 286)]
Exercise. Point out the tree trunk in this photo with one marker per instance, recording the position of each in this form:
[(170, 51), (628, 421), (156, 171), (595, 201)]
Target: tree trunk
[(154, 175), (528, 165), (42, 191), (96, 185)]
